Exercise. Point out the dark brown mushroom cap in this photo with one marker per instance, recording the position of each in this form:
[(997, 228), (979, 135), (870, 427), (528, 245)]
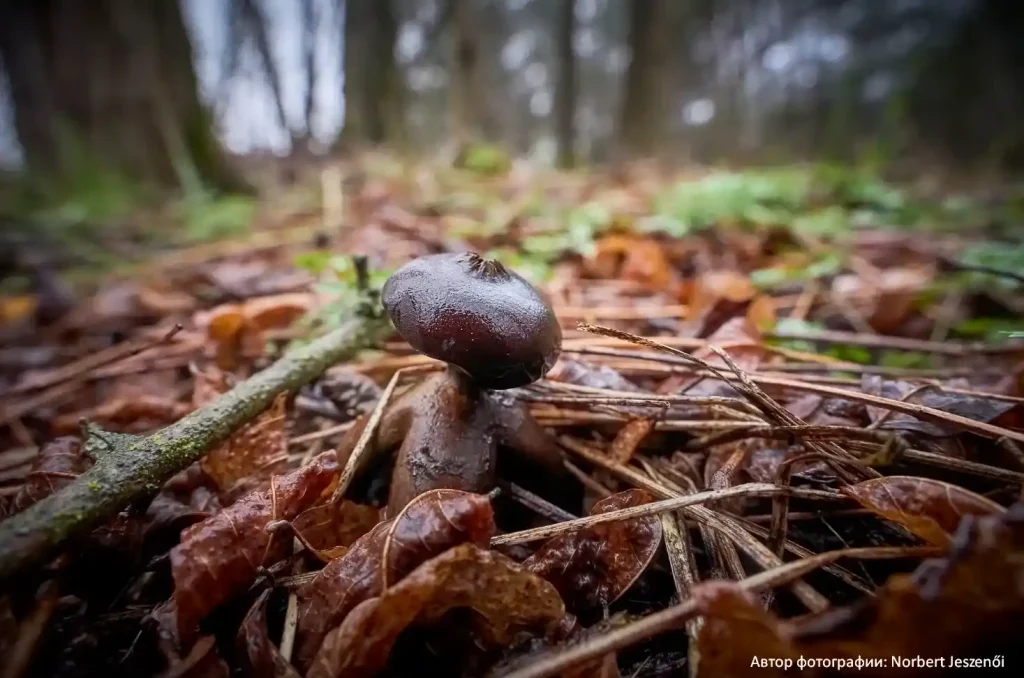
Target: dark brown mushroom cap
[(477, 315)]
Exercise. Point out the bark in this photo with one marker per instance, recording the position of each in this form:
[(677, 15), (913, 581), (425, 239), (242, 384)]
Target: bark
[(374, 90), (130, 468), (565, 94), (646, 108), (109, 82)]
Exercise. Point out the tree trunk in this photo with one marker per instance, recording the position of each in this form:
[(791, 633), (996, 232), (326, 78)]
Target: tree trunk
[(109, 83), (646, 106), (472, 120), (256, 24), (374, 91), (565, 94)]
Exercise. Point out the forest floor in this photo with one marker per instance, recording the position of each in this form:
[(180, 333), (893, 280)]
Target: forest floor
[(802, 387)]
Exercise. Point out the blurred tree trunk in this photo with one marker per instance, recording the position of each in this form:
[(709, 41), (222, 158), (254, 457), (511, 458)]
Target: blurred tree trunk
[(256, 24), (565, 93), (309, 39), (374, 92), (109, 82), (646, 108), (472, 119)]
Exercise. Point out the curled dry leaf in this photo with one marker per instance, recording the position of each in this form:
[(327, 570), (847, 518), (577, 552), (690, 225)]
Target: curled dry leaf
[(505, 597), (628, 439), (969, 603), (737, 629), (219, 557), (253, 453), (259, 656), (592, 567), (332, 527), (237, 329), (971, 407), (429, 525), (931, 509)]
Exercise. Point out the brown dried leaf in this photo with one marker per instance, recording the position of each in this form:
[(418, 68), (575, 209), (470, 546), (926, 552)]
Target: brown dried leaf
[(592, 567), (260, 658), (968, 604), (736, 630), (429, 525), (931, 509), (219, 557), (972, 407), (331, 525), (506, 598), (253, 453), (628, 439), (57, 465)]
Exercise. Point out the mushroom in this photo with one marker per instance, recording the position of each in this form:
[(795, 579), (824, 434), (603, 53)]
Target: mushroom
[(495, 331)]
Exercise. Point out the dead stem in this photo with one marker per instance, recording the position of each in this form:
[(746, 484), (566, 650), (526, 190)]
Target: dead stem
[(363, 443), (654, 508)]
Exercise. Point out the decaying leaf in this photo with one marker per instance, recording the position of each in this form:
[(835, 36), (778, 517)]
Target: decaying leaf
[(237, 329), (260, 657), (253, 453), (219, 557), (332, 527), (429, 525), (968, 604), (971, 407), (737, 633), (592, 567), (57, 465), (505, 597), (628, 439), (931, 509)]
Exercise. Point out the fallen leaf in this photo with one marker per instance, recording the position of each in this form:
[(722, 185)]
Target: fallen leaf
[(253, 453), (332, 527), (738, 637), (628, 439), (220, 557), (971, 407), (592, 567), (17, 308), (58, 464), (430, 524), (505, 597), (967, 604), (260, 658), (931, 509)]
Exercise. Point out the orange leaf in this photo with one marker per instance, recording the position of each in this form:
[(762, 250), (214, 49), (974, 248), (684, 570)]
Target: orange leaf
[(931, 509)]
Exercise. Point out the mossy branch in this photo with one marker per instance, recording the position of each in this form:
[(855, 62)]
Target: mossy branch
[(130, 468)]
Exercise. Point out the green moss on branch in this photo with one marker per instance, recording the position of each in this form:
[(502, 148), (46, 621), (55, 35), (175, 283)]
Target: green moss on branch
[(130, 468)]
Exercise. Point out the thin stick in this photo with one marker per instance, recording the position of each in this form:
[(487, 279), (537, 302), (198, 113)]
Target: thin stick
[(899, 343), (537, 504), (670, 618), (745, 490), (90, 362), (363, 443), (320, 435)]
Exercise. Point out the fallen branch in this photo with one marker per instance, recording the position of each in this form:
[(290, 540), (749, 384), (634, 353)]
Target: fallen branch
[(129, 468)]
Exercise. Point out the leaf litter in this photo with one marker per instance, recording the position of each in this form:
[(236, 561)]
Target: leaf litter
[(860, 369)]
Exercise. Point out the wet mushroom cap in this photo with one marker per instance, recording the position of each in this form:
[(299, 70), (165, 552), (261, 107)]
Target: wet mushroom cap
[(477, 315)]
